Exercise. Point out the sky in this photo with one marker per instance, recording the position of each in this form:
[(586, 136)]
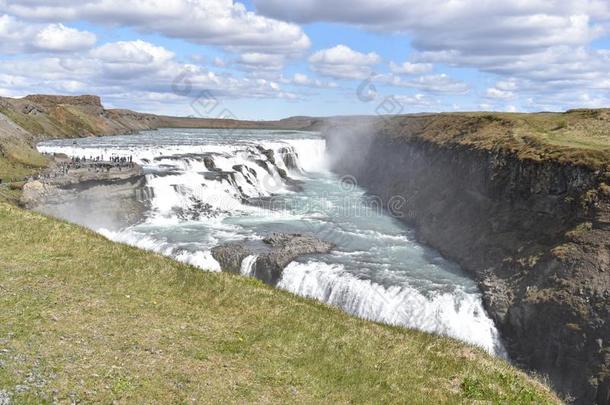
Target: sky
[(270, 59)]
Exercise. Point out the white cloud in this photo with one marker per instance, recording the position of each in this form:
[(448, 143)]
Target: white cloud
[(300, 79), (131, 58), (342, 62), (494, 92), (467, 21), (265, 61), (216, 22), (342, 54), (219, 62), (132, 52), (409, 68), (417, 102), (441, 83), (545, 43), (538, 52), (131, 71), (58, 37), (17, 36)]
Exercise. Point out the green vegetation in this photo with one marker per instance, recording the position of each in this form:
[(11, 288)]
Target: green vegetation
[(26, 122), (73, 121), (86, 319), (61, 121), (579, 137), (17, 161)]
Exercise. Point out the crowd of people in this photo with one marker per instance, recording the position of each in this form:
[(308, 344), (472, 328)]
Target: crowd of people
[(117, 160), (98, 163), (91, 163)]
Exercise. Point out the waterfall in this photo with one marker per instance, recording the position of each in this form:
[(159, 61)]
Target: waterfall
[(199, 258), (206, 187), (247, 265), (454, 314), (311, 154)]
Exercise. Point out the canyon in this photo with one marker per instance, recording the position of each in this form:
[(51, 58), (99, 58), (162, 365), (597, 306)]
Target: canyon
[(520, 201), (535, 233)]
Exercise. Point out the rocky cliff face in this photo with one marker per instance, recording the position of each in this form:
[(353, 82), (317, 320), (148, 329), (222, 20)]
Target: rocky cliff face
[(535, 234), (53, 100), (95, 199)]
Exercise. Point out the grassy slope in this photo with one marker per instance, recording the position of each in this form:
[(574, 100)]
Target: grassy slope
[(18, 159), (84, 318), (578, 137)]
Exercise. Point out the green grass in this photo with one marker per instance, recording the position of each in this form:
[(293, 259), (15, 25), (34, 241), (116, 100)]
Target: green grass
[(17, 161), (580, 137), (577, 129), (25, 121), (86, 319)]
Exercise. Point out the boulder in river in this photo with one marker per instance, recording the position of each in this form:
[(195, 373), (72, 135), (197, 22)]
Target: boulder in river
[(272, 255), (290, 158), (268, 153)]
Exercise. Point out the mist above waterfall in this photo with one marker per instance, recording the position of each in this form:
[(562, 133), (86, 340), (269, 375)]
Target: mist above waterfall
[(349, 141)]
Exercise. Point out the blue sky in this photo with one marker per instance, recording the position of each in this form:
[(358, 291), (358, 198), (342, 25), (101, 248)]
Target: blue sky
[(267, 59)]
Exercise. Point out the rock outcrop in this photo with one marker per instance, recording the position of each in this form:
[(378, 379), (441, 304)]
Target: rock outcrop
[(272, 255), (96, 199), (534, 233)]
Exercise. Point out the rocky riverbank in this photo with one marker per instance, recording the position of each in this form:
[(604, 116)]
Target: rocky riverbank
[(93, 194), (535, 233)]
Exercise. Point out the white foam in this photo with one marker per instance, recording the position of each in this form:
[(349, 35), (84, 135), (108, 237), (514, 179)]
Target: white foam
[(190, 188), (247, 265), (201, 259), (311, 153), (456, 314), (129, 237)]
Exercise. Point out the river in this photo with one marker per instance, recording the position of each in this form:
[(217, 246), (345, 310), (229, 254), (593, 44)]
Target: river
[(207, 187)]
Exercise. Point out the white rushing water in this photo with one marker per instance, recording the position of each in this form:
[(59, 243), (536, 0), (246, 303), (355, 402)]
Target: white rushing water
[(247, 265), (207, 187), (456, 313)]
